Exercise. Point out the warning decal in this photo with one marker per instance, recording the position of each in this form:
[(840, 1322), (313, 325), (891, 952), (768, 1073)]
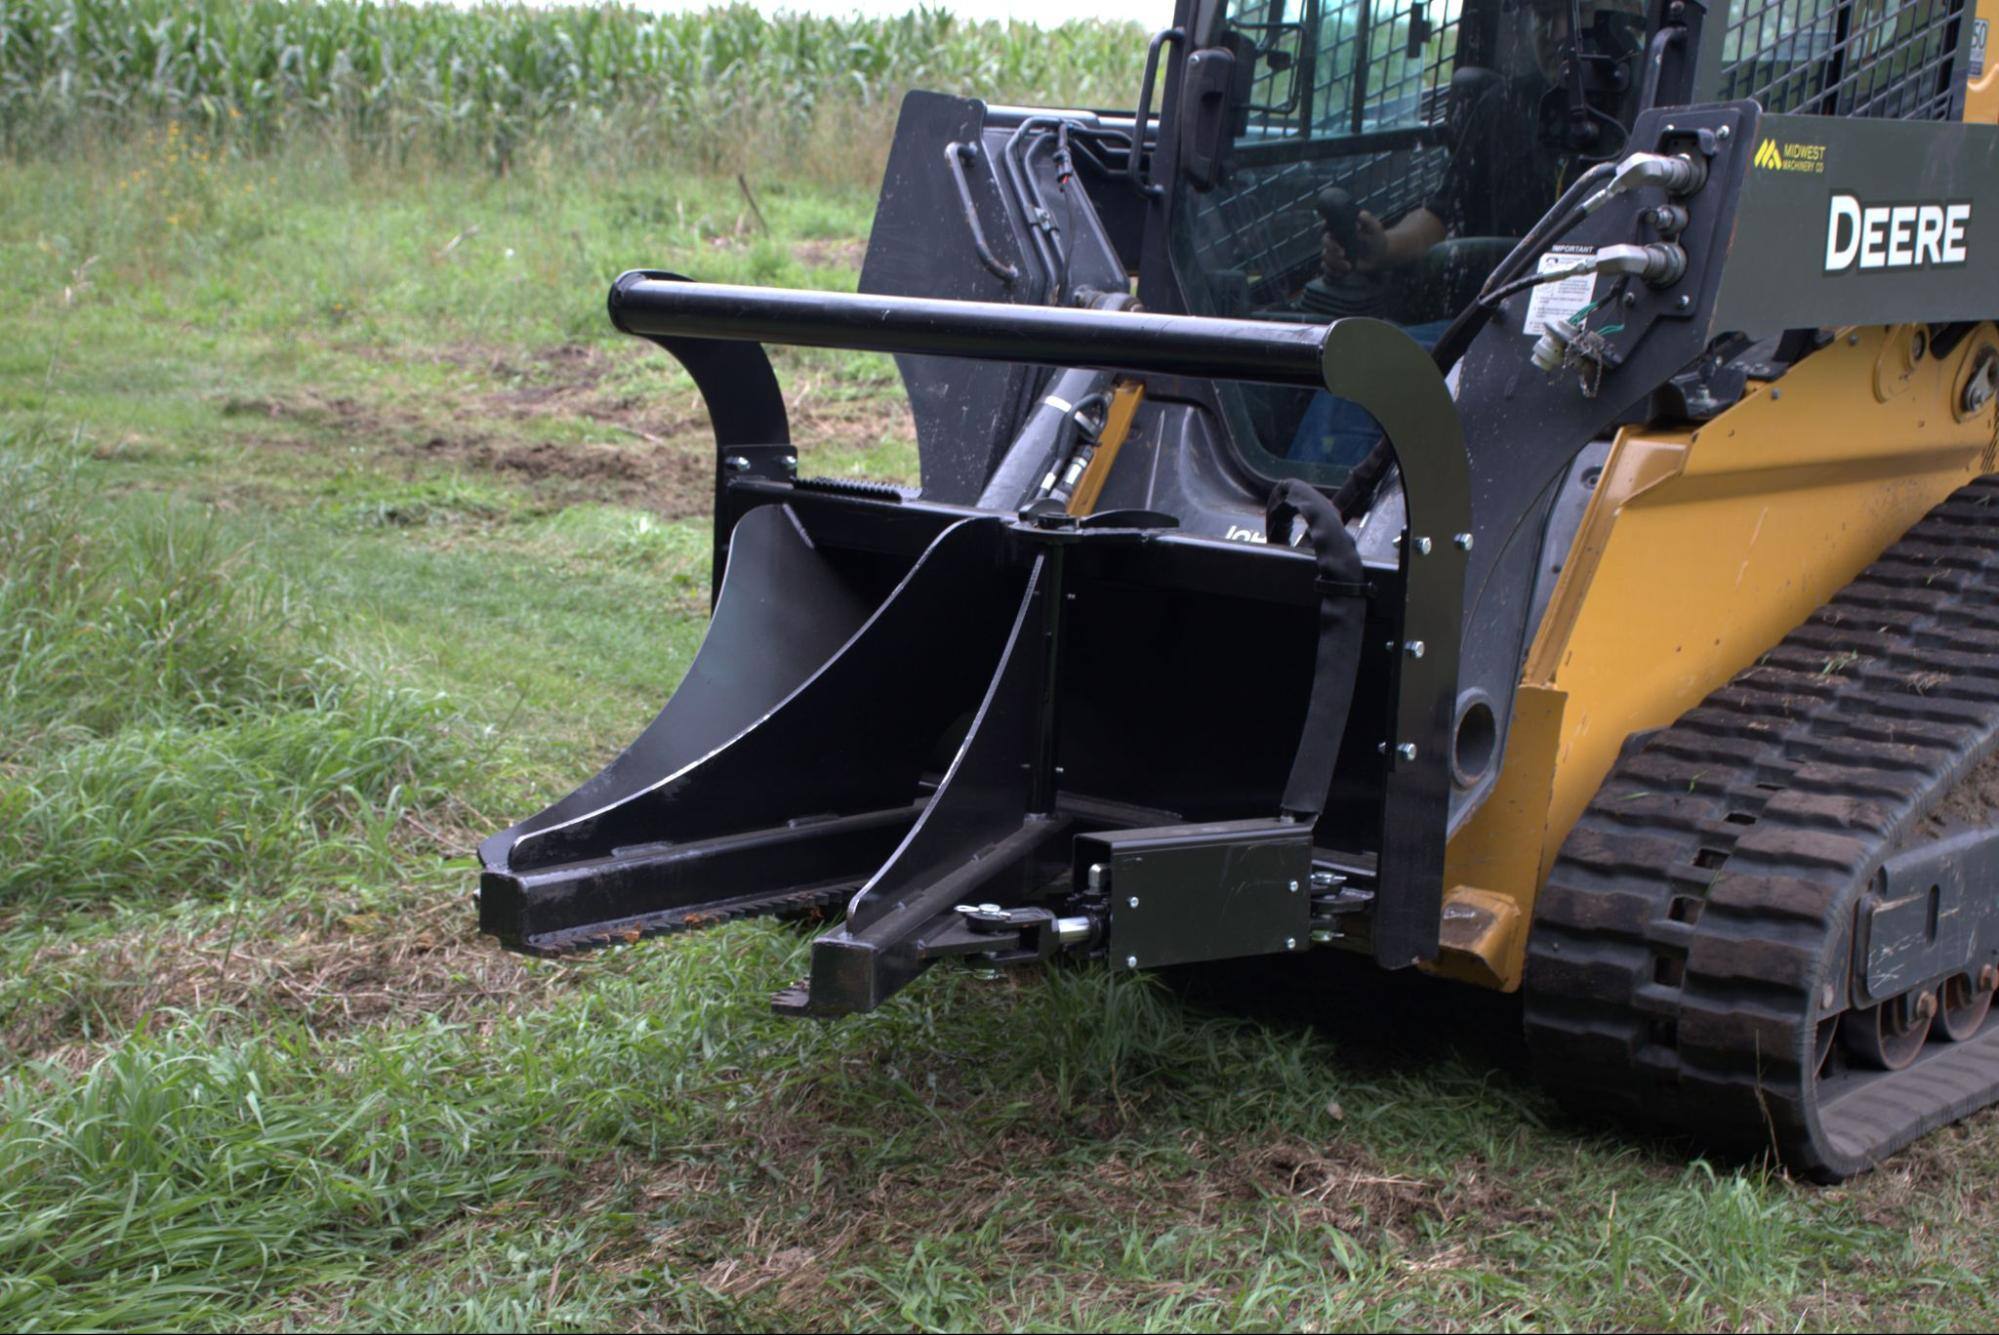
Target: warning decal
[(1563, 297)]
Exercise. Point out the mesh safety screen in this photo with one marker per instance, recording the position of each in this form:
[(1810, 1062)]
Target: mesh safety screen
[(1895, 59), (1342, 69)]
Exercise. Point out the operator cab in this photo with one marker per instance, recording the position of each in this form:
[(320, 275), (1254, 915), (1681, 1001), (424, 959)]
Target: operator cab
[(1380, 158)]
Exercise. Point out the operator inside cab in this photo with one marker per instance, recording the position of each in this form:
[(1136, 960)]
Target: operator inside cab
[(1390, 156), (1508, 161)]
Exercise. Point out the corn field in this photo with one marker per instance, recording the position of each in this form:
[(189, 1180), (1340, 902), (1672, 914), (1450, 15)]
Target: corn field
[(489, 79)]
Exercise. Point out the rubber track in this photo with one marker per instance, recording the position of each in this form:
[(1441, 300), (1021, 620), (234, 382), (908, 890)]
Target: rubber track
[(1706, 897)]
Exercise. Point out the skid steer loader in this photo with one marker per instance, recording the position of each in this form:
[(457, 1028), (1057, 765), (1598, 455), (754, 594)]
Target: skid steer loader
[(1497, 486)]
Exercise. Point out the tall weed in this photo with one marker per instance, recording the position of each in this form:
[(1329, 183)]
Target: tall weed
[(171, 718)]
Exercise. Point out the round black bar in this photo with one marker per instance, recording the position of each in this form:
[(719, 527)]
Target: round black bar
[(659, 305)]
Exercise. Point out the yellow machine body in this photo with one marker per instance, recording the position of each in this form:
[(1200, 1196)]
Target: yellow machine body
[(1700, 548), (1981, 90)]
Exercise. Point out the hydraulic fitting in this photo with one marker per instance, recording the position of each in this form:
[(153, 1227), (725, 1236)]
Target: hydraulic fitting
[(1675, 173)]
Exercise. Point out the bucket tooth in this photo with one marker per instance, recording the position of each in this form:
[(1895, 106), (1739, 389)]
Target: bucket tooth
[(788, 766)]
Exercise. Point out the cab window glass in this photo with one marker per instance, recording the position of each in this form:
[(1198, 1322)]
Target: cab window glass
[(1387, 155)]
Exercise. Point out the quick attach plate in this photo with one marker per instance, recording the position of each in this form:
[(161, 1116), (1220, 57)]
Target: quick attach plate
[(1180, 894)]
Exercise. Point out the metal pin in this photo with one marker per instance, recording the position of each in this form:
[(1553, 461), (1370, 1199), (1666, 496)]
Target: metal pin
[(1407, 750)]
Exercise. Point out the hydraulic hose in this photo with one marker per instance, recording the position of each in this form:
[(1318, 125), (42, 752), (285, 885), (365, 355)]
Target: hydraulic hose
[(1357, 492)]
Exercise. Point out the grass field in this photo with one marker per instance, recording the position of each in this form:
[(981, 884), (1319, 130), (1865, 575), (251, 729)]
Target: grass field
[(337, 530)]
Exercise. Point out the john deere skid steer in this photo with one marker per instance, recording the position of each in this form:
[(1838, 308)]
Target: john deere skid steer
[(1501, 487)]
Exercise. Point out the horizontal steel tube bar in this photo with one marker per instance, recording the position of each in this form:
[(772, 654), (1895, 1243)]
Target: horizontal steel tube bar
[(1269, 351)]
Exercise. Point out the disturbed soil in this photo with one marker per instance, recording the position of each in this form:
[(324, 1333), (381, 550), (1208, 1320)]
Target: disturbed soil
[(657, 453)]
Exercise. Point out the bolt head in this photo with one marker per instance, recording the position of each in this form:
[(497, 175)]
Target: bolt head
[(1462, 542), (1723, 132), (1131, 903), (1415, 648), (1422, 546), (1290, 943), (1407, 750), (736, 463), (1982, 387), (1685, 302), (1294, 887), (1131, 961)]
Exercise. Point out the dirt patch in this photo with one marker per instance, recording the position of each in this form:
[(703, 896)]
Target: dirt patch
[(299, 421), (672, 483), (368, 968), (846, 253), (1340, 1184), (797, 1240), (1973, 803), (660, 455)]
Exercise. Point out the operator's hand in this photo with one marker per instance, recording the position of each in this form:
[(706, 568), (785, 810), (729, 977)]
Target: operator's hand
[(1370, 241)]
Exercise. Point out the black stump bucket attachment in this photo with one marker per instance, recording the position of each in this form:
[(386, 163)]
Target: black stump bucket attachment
[(995, 736), (788, 766)]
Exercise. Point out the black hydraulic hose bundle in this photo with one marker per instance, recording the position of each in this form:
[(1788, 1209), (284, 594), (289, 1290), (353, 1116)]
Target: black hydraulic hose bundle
[(1358, 490), (1342, 610)]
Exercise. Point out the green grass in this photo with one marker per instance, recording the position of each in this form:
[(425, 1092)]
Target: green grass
[(336, 531)]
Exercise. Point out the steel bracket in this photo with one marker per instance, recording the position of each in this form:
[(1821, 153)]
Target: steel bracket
[(1933, 914)]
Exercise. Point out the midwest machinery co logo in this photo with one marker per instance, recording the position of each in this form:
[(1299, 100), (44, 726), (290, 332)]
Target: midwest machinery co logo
[(1806, 158)]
